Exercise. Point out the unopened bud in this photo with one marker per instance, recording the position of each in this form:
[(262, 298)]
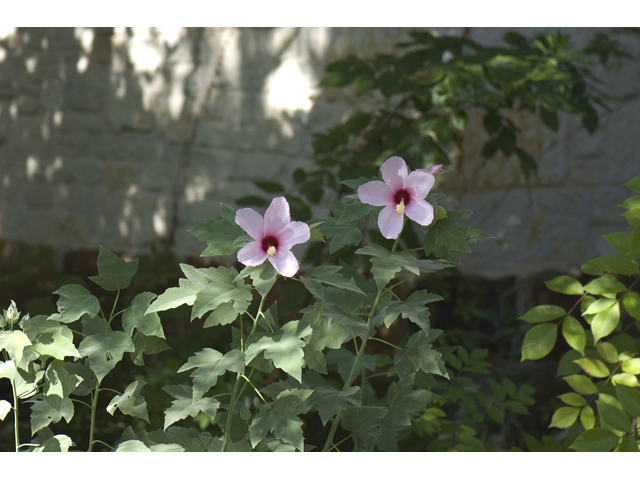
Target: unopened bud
[(12, 315), (435, 169)]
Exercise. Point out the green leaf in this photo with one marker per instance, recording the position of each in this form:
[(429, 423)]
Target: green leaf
[(631, 366), (587, 417), (633, 184), (593, 367), (330, 400), (581, 384), (317, 276), (223, 315), (75, 301), (220, 287), (629, 398), (419, 355), (412, 308), (49, 338), (114, 273), (14, 343), (497, 390), (403, 400), (48, 442), (185, 405), (613, 417), (354, 211), (134, 317), (209, 364), (496, 414), (564, 417), (516, 407), (132, 446), (543, 313), (385, 264), (631, 304), (341, 235), (625, 379), (131, 402), (565, 284), (282, 419), (364, 423), (628, 444), (146, 346), (574, 334), (595, 440), (619, 241), (104, 351), (473, 235), (221, 235), (185, 293), (45, 410), (631, 202), (539, 341), (599, 305), (620, 265), (573, 399), (5, 408), (608, 352), (263, 278), (605, 322), (604, 284), (446, 233), (284, 348)]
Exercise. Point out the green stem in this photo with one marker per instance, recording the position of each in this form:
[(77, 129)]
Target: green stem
[(256, 390), (113, 309), (356, 364), (385, 342), (236, 385), (16, 422), (94, 408), (103, 443)]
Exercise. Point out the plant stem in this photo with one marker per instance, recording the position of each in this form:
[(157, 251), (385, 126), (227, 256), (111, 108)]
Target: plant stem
[(234, 393), (356, 363), (16, 423), (94, 408)]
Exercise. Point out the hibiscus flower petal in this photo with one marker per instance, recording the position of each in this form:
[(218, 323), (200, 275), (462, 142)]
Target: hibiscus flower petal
[(277, 216), (390, 222), (251, 222), (252, 254), (284, 262), (394, 173), (420, 212), (293, 234), (420, 181), (375, 193)]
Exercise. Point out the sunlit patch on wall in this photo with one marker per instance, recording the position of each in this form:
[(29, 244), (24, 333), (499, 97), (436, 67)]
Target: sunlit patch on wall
[(160, 218), (33, 167), (85, 37), (7, 32), (83, 63)]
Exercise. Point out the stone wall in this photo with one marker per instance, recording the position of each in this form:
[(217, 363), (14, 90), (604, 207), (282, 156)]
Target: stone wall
[(128, 137)]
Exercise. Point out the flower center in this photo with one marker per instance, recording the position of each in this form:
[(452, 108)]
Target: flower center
[(270, 245), (402, 199)]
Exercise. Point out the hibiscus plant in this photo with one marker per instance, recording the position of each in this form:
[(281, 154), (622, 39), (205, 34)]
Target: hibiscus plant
[(305, 383)]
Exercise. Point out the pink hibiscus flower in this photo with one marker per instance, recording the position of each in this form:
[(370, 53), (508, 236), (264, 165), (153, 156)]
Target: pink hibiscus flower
[(400, 193), (274, 236)]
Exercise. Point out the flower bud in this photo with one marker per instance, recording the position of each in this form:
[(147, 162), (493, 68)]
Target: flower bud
[(435, 169)]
